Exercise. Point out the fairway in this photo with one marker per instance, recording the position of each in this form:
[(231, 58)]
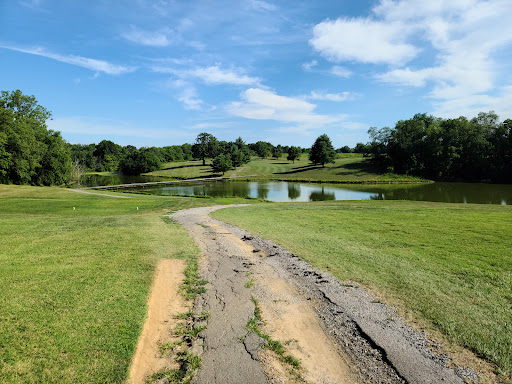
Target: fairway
[(447, 266), (348, 168), (75, 273)]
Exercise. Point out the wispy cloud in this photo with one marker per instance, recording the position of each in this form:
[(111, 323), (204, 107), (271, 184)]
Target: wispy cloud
[(260, 104), (340, 71), (261, 5), (212, 75), (187, 94), (90, 127), (214, 125), (310, 65), (464, 36), (338, 97), (159, 38), (84, 62)]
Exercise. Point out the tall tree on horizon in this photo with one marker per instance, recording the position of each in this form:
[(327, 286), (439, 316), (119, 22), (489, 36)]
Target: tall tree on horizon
[(322, 151), (206, 146)]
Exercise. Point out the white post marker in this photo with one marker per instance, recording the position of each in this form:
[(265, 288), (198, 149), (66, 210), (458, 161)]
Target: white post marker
[(73, 208)]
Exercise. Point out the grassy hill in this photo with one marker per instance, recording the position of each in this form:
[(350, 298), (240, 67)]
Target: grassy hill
[(350, 168)]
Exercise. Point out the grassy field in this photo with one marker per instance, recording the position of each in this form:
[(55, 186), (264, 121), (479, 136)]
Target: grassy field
[(447, 265), (185, 170), (74, 283), (348, 168)]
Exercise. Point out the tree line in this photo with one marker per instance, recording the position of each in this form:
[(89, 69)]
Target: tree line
[(479, 149), (30, 153)]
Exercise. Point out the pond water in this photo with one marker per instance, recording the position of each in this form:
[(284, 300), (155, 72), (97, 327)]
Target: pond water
[(301, 192), (93, 179)]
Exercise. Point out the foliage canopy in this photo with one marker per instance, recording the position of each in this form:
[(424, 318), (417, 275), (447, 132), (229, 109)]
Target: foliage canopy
[(29, 152)]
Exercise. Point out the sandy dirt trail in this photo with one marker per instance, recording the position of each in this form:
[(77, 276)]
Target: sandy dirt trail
[(164, 305), (338, 331)]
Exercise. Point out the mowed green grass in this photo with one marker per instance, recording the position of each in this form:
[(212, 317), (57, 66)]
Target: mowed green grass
[(74, 283), (447, 264), (186, 170), (349, 168)]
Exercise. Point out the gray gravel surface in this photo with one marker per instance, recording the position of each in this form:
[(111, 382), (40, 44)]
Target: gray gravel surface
[(225, 358)]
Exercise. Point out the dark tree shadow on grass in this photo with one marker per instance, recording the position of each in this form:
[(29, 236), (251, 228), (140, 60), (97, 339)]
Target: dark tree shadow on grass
[(183, 166), (300, 169), (365, 166)]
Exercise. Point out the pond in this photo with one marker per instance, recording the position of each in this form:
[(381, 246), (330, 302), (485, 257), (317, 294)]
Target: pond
[(94, 179), (280, 191)]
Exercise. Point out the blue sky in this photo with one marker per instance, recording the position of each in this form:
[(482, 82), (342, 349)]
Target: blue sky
[(156, 73)]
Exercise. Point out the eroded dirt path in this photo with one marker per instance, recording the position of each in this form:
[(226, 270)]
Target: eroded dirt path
[(236, 273), (337, 330), (164, 304)]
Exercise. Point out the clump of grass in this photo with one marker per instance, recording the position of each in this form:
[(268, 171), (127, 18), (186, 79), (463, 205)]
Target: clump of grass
[(187, 331), (250, 283), (204, 316), (253, 325), (189, 364), (192, 285), (185, 315)]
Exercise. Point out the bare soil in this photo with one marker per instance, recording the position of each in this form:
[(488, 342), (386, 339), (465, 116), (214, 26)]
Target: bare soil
[(164, 304)]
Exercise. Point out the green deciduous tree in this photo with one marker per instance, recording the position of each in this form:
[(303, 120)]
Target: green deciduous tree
[(263, 149), (140, 161), (293, 153), (206, 146), (322, 151), (222, 163), (29, 152)]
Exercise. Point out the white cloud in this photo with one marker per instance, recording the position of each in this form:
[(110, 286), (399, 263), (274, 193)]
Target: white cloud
[(92, 64), (465, 34), (161, 38), (354, 126), (309, 66), (461, 37), (340, 71), (187, 95), (212, 125), (330, 96), (90, 126), (363, 40), (213, 75), (261, 5), (259, 104)]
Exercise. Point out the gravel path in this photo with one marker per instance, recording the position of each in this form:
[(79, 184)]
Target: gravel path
[(225, 358), (369, 338)]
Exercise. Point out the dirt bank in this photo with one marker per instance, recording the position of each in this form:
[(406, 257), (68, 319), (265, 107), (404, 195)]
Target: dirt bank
[(164, 304)]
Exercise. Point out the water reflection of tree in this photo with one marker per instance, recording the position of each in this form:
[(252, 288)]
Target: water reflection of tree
[(321, 195), (262, 191), (226, 189), (293, 191)]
